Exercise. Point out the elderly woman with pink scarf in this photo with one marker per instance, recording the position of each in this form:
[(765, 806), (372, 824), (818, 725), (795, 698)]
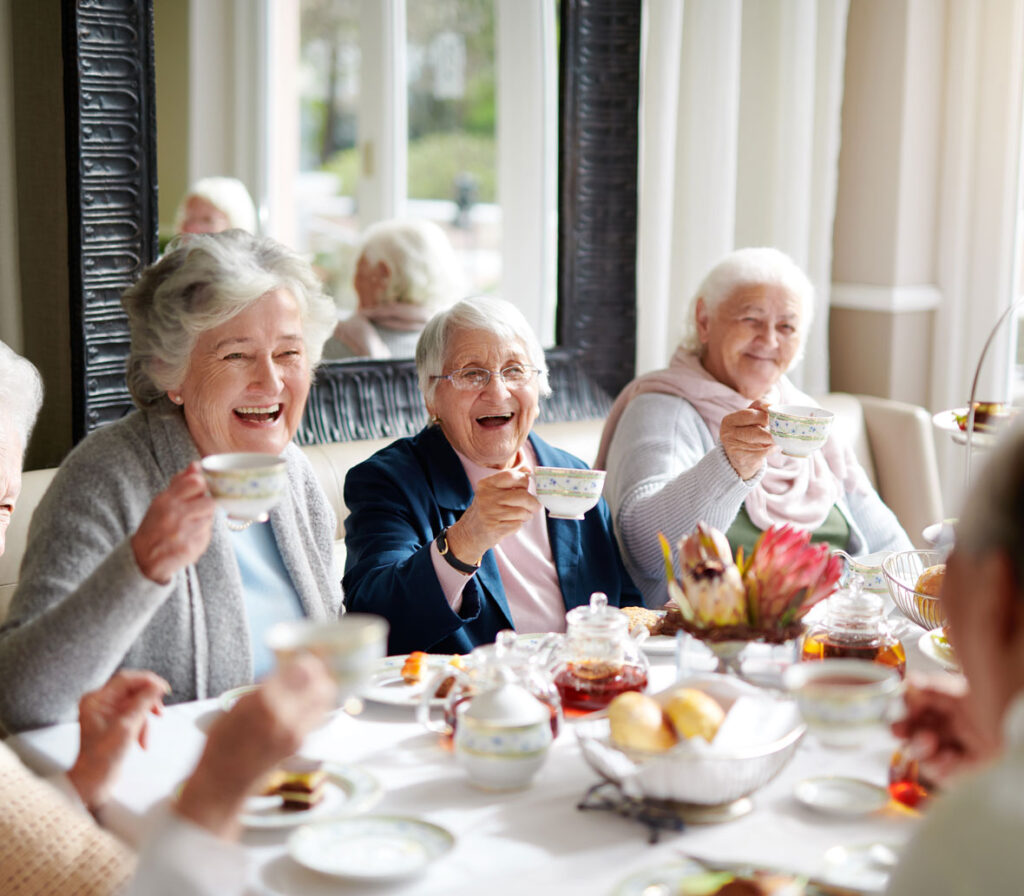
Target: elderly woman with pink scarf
[(691, 442)]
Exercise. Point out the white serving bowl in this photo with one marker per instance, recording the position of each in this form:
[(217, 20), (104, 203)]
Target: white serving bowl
[(800, 430), (246, 485), (844, 701), (566, 493)]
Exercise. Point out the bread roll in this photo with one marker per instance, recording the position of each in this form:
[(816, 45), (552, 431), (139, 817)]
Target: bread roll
[(637, 723), (694, 713), (930, 581)]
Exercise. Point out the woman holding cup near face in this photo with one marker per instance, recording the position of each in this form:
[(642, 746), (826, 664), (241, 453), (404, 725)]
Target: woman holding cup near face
[(129, 562), (446, 538), (692, 442)]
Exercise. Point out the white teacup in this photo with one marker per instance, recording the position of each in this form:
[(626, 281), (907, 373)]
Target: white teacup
[(869, 568), (247, 485), (349, 646), (568, 493), (800, 430), (844, 701)]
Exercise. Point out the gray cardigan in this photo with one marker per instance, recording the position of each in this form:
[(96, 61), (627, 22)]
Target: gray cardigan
[(666, 473), (83, 608)]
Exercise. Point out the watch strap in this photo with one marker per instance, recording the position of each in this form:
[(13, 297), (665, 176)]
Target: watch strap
[(442, 546)]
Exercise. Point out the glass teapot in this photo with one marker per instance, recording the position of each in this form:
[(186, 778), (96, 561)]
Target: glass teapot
[(597, 659), (511, 658)]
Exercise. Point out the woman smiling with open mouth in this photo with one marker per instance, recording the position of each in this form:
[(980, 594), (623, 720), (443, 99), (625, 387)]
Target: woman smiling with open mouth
[(128, 562), (446, 538)]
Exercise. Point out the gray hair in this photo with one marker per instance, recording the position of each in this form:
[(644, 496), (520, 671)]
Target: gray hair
[(992, 518), (228, 195), (21, 393), (750, 267), (203, 281), (487, 313), (422, 264)]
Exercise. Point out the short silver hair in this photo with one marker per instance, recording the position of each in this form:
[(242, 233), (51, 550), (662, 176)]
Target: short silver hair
[(421, 261), (761, 266), (487, 313), (228, 195), (21, 393), (202, 281), (992, 518)]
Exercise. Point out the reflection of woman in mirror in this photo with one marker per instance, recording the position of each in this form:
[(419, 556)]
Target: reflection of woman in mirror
[(213, 204), (405, 271)]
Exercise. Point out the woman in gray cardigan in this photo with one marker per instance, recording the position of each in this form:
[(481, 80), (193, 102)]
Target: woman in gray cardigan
[(129, 563)]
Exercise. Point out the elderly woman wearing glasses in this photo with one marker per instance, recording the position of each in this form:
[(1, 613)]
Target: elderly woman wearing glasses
[(446, 538)]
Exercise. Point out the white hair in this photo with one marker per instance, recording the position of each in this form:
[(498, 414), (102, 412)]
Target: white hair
[(420, 260), (201, 282), (487, 313), (992, 518), (750, 267), (21, 393), (228, 195)]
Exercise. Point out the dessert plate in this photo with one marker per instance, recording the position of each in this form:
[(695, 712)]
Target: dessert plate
[(348, 790), (387, 685), (229, 698), (862, 867), (370, 848), (936, 647), (835, 795), (686, 876), (946, 421)]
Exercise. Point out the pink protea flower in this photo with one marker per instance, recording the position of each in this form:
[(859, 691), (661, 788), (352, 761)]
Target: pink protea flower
[(786, 575)]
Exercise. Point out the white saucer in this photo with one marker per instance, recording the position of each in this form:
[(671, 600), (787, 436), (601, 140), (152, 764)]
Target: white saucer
[(946, 421), (841, 796), (858, 866), (348, 790), (370, 848), (933, 645)]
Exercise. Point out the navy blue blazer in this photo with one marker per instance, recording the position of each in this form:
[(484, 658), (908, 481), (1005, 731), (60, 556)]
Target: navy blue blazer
[(401, 498)]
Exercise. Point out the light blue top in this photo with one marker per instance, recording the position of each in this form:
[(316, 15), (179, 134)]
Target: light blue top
[(270, 596)]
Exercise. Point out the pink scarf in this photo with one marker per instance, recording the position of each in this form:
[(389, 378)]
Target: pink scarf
[(793, 490), (359, 332)]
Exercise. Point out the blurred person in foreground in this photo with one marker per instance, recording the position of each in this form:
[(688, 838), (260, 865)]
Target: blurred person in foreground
[(50, 841), (215, 204), (445, 537), (691, 442), (128, 562), (406, 270), (970, 740)]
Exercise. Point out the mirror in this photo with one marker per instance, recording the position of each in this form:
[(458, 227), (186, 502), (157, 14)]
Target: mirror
[(111, 140)]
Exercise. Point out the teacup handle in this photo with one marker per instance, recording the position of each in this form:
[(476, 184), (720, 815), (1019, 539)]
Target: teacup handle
[(423, 711)]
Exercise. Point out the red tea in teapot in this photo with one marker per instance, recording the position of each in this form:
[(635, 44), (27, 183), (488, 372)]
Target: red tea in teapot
[(592, 686)]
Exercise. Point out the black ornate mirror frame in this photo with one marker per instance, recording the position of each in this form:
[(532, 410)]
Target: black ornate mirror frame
[(112, 217)]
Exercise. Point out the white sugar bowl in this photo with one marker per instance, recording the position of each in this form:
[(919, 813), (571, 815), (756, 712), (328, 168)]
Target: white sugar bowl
[(502, 737)]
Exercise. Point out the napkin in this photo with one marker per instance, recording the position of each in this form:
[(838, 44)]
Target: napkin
[(752, 721)]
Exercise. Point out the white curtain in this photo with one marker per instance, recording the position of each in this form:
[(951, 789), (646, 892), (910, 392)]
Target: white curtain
[(740, 110)]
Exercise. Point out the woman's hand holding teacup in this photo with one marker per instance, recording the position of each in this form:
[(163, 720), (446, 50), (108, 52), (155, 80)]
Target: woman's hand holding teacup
[(176, 529), (501, 504), (746, 439)]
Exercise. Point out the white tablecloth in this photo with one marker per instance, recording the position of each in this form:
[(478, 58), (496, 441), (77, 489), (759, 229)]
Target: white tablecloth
[(533, 841)]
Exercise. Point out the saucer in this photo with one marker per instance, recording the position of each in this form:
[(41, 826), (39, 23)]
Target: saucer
[(370, 848), (836, 795)]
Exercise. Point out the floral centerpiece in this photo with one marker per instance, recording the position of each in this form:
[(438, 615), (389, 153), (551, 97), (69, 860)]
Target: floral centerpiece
[(763, 597)]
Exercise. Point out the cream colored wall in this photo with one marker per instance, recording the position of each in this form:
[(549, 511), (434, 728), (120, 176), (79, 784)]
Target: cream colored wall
[(171, 56), (888, 191)]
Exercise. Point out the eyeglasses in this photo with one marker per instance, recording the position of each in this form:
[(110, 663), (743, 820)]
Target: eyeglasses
[(473, 379)]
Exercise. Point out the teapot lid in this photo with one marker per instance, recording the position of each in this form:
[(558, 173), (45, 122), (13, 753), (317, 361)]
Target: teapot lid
[(599, 616), (508, 704)]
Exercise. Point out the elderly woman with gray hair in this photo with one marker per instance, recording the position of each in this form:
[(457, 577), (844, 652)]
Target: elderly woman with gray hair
[(691, 442), (446, 538), (406, 271), (128, 563)]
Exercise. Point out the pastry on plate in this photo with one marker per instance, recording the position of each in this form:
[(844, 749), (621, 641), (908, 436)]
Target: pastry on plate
[(299, 782)]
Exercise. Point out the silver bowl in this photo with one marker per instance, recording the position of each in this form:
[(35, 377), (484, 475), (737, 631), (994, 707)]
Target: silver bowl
[(684, 775), (902, 571)]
